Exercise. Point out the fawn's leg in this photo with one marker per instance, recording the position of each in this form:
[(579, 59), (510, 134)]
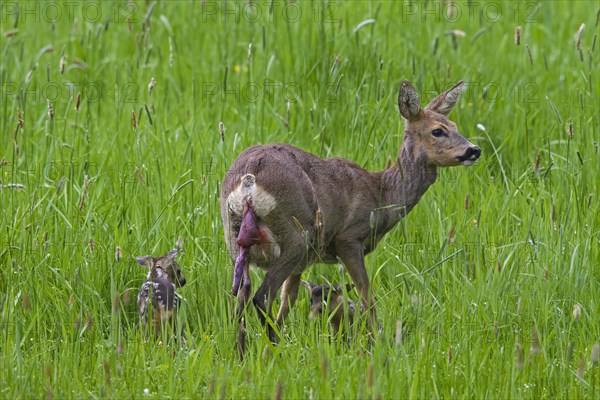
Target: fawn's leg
[(289, 293)]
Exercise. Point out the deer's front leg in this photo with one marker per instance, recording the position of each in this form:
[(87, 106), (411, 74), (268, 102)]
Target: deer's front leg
[(354, 260)]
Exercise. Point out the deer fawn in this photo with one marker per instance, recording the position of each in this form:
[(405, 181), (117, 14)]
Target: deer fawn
[(330, 299), (158, 292), (284, 209)]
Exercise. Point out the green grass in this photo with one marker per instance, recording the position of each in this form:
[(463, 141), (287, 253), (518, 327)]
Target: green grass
[(471, 281)]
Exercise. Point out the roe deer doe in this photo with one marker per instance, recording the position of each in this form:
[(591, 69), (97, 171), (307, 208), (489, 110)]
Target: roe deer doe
[(330, 299), (157, 298), (284, 209)]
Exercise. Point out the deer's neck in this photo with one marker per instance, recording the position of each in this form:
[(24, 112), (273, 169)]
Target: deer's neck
[(406, 181)]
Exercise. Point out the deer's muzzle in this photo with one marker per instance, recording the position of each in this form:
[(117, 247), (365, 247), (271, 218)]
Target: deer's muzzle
[(471, 155)]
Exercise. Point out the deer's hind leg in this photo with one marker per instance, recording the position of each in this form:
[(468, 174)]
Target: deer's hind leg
[(281, 269), (243, 300)]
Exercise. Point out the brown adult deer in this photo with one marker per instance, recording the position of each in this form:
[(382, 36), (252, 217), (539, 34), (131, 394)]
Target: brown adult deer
[(284, 209)]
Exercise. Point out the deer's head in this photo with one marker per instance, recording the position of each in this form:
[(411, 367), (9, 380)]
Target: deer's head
[(429, 135), (163, 267), (326, 298)]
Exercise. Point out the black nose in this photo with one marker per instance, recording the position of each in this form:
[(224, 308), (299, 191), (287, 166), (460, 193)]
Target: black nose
[(182, 281), (473, 152)]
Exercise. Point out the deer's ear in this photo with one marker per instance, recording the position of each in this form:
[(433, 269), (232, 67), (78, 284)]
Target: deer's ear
[(444, 102), (409, 102), (172, 254), (145, 261)]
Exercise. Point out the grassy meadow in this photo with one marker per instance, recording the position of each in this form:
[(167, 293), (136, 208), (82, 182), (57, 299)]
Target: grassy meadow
[(119, 119)]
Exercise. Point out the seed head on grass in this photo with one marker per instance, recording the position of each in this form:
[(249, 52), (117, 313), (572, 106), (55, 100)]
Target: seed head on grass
[(496, 332), (26, 304), (570, 351), (450, 237), (222, 131), (278, 391), (133, 120), (11, 33), (399, 333), (116, 306), (578, 37), (77, 101), (595, 353), (335, 64), (151, 85), (370, 375), (212, 386), (140, 176), (48, 374), (121, 346), (83, 193), (536, 165), (61, 64), (324, 367), (518, 35), (107, 373), (451, 10), (529, 53), (455, 33), (127, 296), (581, 368), (519, 356), (535, 343), (50, 110), (576, 312)]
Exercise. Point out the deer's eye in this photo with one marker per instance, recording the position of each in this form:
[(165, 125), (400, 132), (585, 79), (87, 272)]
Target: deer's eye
[(438, 133)]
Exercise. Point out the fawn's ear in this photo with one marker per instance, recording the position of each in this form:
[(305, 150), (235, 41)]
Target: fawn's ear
[(146, 261), (308, 285), (409, 102), (444, 102), (172, 254)]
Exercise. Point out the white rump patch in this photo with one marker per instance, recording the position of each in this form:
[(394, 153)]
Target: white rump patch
[(262, 201)]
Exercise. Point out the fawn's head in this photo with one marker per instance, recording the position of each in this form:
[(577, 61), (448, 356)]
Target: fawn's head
[(163, 267), (325, 297), (429, 134)]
